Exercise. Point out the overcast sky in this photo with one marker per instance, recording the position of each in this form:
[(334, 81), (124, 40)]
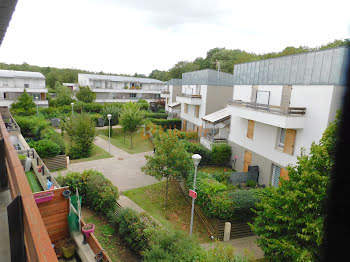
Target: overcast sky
[(128, 36)]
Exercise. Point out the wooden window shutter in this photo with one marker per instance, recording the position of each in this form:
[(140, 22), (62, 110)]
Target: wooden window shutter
[(283, 175), (289, 141), (247, 160), (185, 109), (197, 111), (250, 130), (184, 125)]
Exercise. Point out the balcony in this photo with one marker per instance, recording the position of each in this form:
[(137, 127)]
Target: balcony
[(284, 117), (208, 141), (191, 99), (165, 94)]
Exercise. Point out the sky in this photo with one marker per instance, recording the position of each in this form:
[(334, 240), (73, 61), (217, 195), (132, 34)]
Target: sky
[(138, 36)]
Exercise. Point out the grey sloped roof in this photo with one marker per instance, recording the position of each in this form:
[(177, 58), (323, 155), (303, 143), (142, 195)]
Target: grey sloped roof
[(122, 78), (207, 77), (7, 7), (323, 67), (21, 74), (174, 82)]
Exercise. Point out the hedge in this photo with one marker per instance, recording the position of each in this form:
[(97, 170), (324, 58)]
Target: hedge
[(196, 148), (31, 126), (167, 123), (97, 191), (45, 148), (221, 154), (156, 115)]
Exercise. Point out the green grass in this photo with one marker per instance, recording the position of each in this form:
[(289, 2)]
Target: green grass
[(141, 143), (96, 153), (178, 213), (214, 169), (33, 182)]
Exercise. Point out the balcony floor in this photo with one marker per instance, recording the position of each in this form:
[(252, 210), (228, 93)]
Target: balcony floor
[(5, 200)]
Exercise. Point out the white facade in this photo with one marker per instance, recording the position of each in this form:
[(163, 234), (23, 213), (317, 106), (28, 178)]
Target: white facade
[(110, 89), (13, 83)]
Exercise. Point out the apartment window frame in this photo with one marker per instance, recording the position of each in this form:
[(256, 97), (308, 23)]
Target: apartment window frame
[(26, 86), (132, 95), (262, 92), (281, 138)]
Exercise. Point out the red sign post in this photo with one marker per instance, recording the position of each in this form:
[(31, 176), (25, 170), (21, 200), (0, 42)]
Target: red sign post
[(192, 194)]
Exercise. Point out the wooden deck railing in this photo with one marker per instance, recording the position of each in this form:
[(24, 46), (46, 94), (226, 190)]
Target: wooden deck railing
[(37, 241), (270, 108)]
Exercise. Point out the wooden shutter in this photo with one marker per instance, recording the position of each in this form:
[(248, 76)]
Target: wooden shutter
[(276, 175), (197, 111), (167, 101), (250, 129), (283, 175), (289, 141), (184, 125), (185, 108), (247, 160)]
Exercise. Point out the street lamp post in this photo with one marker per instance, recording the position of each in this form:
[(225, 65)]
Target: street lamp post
[(72, 104), (109, 116), (37, 105), (196, 159)]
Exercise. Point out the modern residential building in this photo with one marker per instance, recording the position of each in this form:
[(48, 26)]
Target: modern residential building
[(172, 89), (109, 88), (203, 92), (13, 83), (280, 106)]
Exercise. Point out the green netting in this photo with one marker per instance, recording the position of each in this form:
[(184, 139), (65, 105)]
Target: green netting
[(73, 219)]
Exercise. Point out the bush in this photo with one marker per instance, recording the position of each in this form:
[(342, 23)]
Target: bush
[(196, 148), (244, 201), (144, 105), (114, 111), (97, 191), (135, 229), (45, 148), (167, 123), (251, 183), (31, 126), (161, 110), (23, 112), (95, 117), (51, 134), (156, 115), (221, 154)]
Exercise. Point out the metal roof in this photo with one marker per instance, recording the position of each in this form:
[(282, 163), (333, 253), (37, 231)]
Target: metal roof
[(7, 7), (122, 78), (174, 104), (21, 74), (218, 116), (207, 77), (323, 67), (174, 82)]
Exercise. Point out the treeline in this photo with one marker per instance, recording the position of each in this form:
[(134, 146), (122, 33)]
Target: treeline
[(227, 58)]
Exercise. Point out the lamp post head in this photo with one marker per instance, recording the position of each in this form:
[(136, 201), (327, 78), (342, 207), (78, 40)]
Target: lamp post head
[(109, 116), (36, 98), (196, 159), (72, 104)]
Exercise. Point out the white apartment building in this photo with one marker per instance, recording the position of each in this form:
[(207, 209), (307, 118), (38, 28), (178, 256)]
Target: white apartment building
[(13, 83), (109, 88), (172, 89), (282, 105), (203, 92)]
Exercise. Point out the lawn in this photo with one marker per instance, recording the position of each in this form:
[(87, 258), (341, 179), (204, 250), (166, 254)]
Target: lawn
[(109, 239), (177, 215), (214, 169), (96, 153), (33, 182), (141, 143)]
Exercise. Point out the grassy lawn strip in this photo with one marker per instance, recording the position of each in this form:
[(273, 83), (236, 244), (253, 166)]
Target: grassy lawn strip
[(141, 143), (108, 238), (177, 215), (33, 182), (214, 169), (96, 153)]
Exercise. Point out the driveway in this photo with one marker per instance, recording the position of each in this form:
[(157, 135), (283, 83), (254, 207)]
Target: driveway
[(124, 169)]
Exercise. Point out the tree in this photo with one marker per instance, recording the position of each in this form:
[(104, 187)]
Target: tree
[(81, 134), (64, 96), (85, 94), (170, 159), (24, 102), (131, 119), (290, 218)]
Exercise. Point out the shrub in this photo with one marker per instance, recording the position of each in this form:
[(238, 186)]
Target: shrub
[(85, 94), (185, 134), (244, 201), (92, 107), (95, 117), (114, 111), (144, 105), (31, 126), (51, 134), (167, 123), (45, 148), (156, 115), (196, 148), (97, 191), (251, 183), (161, 110), (23, 112), (221, 154), (50, 112), (24, 102)]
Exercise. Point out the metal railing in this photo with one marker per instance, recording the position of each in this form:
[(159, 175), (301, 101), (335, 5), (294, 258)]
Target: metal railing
[(270, 108)]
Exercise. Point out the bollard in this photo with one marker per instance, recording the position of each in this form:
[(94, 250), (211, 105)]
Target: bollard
[(227, 231)]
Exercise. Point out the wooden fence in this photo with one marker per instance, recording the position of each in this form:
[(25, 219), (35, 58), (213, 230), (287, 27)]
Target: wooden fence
[(216, 226), (56, 162)]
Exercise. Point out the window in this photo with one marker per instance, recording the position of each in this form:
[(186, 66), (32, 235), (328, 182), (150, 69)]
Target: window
[(132, 84), (140, 85), (250, 129), (276, 172), (282, 138), (26, 85), (132, 95), (263, 97), (4, 95), (185, 108)]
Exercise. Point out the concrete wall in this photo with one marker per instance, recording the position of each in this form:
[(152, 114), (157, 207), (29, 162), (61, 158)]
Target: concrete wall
[(217, 98)]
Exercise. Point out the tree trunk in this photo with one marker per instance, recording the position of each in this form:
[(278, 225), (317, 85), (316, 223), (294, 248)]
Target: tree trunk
[(131, 140), (124, 137), (166, 191)]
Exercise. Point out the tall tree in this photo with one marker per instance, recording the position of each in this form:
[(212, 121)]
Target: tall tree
[(170, 159), (24, 102), (290, 218), (131, 119), (64, 96), (85, 94)]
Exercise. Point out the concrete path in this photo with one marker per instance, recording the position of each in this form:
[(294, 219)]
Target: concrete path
[(124, 201), (124, 169)]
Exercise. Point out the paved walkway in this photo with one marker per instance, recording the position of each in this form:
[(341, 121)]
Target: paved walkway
[(124, 169), (127, 202)]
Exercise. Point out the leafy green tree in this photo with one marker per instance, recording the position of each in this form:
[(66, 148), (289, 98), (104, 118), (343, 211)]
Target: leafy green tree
[(160, 75), (85, 94), (290, 218), (24, 102), (131, 119), (170, 159), (81, 133), (182, 67), (64, 96)]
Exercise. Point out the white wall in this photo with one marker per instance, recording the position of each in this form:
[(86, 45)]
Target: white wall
[(275, 93), (242, 92)]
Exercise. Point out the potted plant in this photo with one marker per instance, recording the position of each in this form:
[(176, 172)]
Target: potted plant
[(22, 158), (126, 87), (43, 197), (68, 248), (87, 230)]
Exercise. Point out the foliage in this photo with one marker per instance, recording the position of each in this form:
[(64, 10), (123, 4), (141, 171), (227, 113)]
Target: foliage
[(290, 218), (31, 126), (156, 115), (221, 154), (81, 134), (131, 119), (22, 157), (167, 123), (251, 183), (24, 102), (85, 94), (64, 96), (196, 148), (244, 201), (45, 148), (135, 229), (144, 105), (114, 111), (97, 191), (169, 160), (50, 134), (95, 117)]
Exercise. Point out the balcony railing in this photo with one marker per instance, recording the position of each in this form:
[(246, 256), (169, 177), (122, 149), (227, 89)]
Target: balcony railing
[(191, 95), (165, 92), (270, 108)]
